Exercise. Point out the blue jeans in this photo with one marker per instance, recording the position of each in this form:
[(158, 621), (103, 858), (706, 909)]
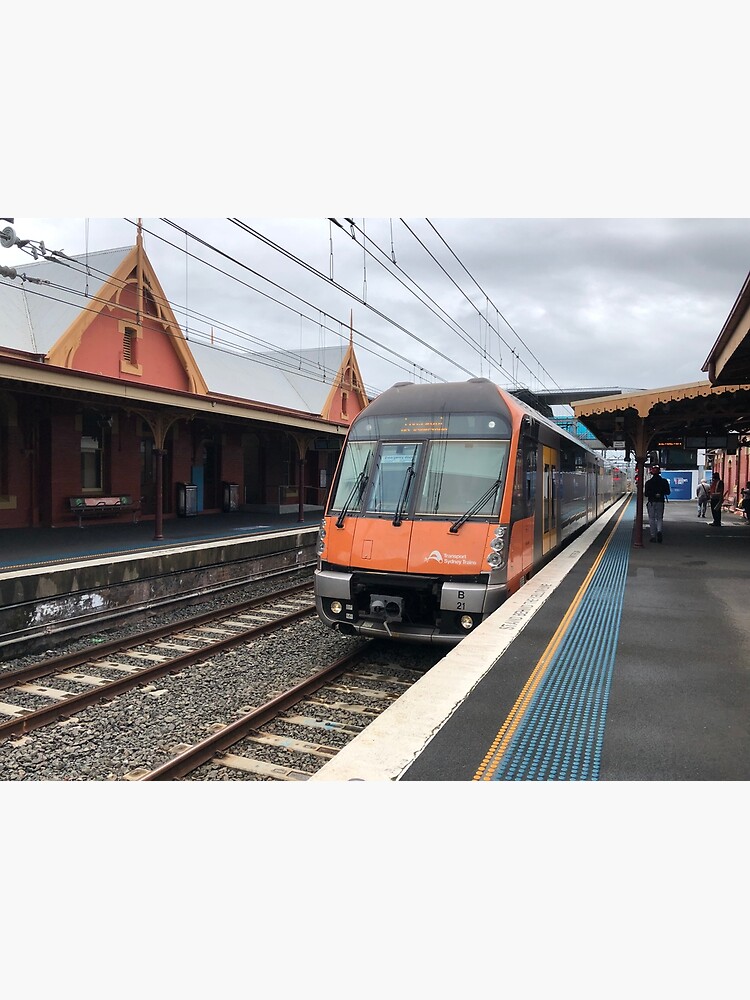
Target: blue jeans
[(655, 516)]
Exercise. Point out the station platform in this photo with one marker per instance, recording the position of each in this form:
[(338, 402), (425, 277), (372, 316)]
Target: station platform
[(55, 581), (23, 548), (615, 662)]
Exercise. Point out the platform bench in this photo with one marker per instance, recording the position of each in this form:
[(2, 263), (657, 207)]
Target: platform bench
[(104, 507)]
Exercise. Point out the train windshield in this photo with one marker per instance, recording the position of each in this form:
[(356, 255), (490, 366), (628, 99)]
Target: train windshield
[(396, 464), (458, 473), (354, 476)]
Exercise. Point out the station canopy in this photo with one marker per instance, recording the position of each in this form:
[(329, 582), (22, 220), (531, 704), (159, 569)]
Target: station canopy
[(696, 415), (729, 359)]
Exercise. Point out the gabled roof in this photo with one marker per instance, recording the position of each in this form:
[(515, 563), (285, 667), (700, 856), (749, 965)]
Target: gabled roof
[(299, 380), (33, 316), (47, 315)]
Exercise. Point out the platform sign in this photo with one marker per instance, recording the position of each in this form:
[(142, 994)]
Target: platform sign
[(680, 484)]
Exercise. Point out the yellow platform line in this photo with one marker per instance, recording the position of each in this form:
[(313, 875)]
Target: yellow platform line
[(508, 728)]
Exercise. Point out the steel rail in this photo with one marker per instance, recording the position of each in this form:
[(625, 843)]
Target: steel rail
[(10, 678), (64, 709), (204, 751), (29, 639)]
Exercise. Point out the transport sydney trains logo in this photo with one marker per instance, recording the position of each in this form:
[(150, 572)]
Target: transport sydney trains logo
[(450, 558)]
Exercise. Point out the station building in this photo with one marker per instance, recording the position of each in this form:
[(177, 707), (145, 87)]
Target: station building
[(104, 398)]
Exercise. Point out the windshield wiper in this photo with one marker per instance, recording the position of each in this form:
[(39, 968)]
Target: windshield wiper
[(401, 505), (477, 506), (358, 489)]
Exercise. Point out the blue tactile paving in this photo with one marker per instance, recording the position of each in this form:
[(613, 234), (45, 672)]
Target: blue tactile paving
[(560, 734)]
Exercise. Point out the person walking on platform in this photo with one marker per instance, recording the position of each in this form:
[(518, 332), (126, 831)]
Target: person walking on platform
[(703, 495), (717, 498), (746, 502), (656, 490)]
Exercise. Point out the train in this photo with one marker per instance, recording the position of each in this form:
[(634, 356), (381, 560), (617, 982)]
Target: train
[(446, 498)]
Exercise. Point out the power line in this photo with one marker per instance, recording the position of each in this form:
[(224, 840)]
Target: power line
[(61, 257), (286, 253), (293, 359), (463, 293), (77, 265), (255, 357), (492, 303), (222, 253), (449, 321), (408, 365)]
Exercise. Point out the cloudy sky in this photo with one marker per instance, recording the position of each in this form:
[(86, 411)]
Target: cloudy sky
[(542, 303)]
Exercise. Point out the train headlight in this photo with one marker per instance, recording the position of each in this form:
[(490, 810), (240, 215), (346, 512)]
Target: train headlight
[(321, 540), (336, 607), (466, 622), (497, 556)]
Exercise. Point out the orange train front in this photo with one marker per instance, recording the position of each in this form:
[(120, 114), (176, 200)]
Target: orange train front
[(446, 498)]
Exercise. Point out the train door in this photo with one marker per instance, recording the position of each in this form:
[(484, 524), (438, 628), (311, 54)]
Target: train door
[(522, 555), (549, 499)]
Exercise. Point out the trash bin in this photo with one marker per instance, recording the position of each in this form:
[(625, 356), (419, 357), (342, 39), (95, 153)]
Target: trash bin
[(187, 499), (231, 497)]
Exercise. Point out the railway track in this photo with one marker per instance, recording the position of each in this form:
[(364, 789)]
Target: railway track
[(141, 659), (261, 691), (349, 687), (88, 615)]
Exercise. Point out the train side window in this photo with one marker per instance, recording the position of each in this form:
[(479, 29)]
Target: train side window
[(524, 481)]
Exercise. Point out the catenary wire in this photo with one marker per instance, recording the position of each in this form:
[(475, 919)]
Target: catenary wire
[(380, 347), (452, 252), (454, 328), (458, 287), (294, 361), (268, 242), (256, 357)]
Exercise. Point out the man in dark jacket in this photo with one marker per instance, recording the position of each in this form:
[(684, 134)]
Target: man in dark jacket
[(716, 495), (656, 490)]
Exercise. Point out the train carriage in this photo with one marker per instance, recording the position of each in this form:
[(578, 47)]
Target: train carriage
[(447, 497)]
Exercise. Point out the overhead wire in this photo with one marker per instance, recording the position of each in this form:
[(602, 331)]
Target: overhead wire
[(223, 346), (380, 348), (192, 313), (377, 350), (489, 300), (463, 293), (451, 323), (342, 288)]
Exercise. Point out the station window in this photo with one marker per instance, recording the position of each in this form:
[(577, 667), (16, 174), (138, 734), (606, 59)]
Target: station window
[(4, 476), (92, 451)]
